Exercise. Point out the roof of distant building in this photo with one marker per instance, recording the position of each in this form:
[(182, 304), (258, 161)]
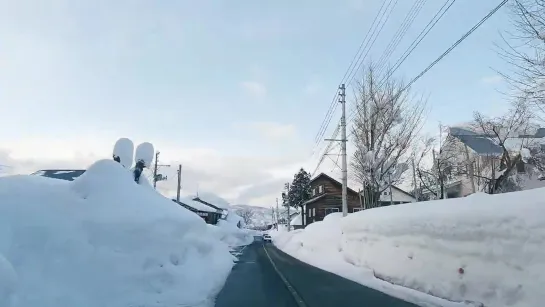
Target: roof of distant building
[(63, 174)]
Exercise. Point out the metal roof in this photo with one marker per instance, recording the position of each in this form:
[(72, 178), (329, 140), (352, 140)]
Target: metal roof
[(480, 144)]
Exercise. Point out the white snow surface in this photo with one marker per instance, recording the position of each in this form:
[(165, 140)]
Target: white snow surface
[(124, 149), (103, 240), (481, 249), (297, 220), (144, 152)]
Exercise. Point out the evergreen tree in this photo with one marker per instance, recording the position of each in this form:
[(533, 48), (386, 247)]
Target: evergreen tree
[(300, 188)]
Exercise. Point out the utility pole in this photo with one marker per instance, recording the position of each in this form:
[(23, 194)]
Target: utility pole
[(272, 211), (342, 100), (391, 195), (343, 141), (155, 169), (288, 198), (179, 183), (277, 214), (156, 176), (414, 181)]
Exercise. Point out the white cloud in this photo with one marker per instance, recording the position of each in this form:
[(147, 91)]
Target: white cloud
[(244, 179), (274, 131), (492, 79), (66, 77), (254, 88)]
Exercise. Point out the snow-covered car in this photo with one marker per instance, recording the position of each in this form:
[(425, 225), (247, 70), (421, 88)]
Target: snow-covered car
[(267, 237)]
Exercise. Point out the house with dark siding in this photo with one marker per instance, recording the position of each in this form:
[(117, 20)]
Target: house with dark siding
[(326, 198)]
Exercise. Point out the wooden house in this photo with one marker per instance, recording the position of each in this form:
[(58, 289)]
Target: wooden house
[(326, 198)]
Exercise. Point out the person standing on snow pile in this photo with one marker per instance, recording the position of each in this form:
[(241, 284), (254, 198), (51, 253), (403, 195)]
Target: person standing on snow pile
[(138, 169)]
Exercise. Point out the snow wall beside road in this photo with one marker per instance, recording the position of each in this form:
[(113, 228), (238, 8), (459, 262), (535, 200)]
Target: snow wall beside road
[(483, 248)]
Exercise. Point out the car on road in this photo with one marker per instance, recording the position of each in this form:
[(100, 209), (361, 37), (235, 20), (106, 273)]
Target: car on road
[(267, 237)]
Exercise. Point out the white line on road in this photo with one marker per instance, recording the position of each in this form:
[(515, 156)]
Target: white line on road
[(296, 296)]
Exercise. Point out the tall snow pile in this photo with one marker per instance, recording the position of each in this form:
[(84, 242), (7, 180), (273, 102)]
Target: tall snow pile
[(102, 240), (483, 248)]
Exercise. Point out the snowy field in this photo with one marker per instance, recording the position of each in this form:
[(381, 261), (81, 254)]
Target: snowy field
[(482, 250), (103, 240)]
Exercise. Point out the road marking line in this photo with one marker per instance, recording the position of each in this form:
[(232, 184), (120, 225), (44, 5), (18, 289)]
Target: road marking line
[(296, 296)]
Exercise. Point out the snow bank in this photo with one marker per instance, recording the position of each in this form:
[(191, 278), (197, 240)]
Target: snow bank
[(103, 240), (231, 236), (228, 231), (483, 248)]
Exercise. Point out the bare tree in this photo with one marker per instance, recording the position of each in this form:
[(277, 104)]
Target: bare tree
[(386, 123), (496, 169), (247, 215), (524, 50), (435, 167)]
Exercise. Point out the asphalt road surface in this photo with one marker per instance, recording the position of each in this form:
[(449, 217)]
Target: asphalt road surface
[(254, 281)]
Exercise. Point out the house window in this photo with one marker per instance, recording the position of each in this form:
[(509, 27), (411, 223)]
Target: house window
[(330, 210), (313, 192), (356, 209), (321, 189), (313, 211)]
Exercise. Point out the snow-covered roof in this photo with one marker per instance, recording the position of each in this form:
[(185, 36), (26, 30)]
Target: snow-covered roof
[(479, 144), (197, 205), (213, 199), (485, 145), (333, 180)]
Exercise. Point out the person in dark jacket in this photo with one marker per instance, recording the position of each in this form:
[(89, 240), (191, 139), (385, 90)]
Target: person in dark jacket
[(138, 169)]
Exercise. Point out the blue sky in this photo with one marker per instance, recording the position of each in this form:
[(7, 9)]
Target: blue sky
[(235, 90)]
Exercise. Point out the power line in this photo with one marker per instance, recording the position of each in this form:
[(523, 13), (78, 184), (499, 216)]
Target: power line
[(326, 151), (431, 24), (349, 72), (333, 101), (378, 33), (475, 27), (452, 47), (438, 16), (333, 104), (400, 34)]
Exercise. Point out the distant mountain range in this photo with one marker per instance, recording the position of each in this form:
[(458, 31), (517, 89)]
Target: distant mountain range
[(262, 216)]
